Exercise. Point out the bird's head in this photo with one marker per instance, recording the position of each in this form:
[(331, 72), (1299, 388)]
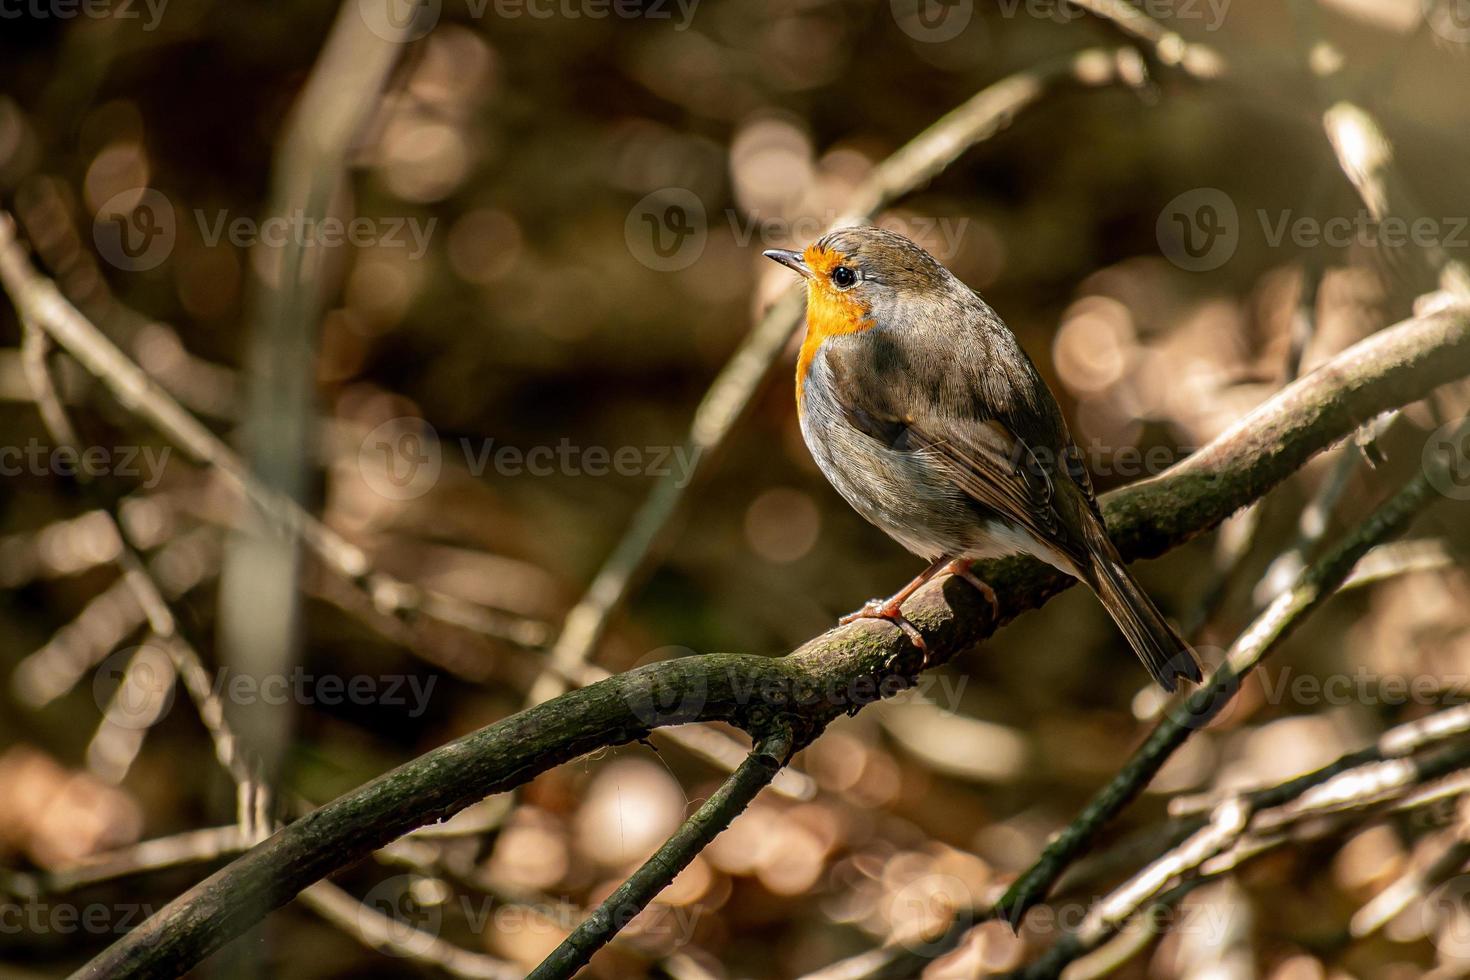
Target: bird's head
[(857, 277)]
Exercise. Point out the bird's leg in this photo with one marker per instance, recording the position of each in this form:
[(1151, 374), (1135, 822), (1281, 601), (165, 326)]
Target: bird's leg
[(889, 608), (961, 568)]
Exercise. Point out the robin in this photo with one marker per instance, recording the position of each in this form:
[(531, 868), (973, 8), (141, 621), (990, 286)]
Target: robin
[(923, 411)]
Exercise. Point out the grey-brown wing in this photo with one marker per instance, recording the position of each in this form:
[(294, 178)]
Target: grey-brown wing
[(983, 457), (1018, 398)]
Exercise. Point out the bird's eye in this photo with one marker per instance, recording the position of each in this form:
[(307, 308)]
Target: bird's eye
[(843, 277)]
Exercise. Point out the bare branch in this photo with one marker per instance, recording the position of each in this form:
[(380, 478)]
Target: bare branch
[(1240, 830), (41, 303), (633, 896), (836, 673), (251, 797), (1314, 586), (1198, 60), (378, 931)]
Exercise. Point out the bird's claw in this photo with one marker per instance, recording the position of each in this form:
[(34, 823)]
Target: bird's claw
[(889, 610), (961, 569)]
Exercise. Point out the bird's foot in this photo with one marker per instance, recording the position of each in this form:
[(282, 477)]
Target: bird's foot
[(888, 609), (961, 568)]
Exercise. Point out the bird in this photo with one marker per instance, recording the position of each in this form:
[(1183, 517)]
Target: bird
[(924, 412)]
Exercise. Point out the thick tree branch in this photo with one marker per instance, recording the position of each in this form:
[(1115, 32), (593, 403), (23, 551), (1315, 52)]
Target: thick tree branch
[(837, 672)]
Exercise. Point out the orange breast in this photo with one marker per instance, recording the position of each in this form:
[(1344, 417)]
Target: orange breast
[(830, 312)]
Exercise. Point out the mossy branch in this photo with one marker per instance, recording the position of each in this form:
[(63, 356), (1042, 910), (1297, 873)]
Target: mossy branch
[(838, 672)]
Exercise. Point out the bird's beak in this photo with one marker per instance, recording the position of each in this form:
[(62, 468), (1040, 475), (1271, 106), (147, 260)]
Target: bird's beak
[(791, 260)]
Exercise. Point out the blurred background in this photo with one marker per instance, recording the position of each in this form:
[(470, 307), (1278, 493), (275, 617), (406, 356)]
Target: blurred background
[(456, 280)]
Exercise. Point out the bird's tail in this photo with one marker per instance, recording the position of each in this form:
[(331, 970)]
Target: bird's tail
[(1163, 651)]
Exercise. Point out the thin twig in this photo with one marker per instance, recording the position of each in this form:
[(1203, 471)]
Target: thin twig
[(1303, 318), (1363, 151), (40, 302), (259, 600), (1313, 587), (1232, 548), (1366, 157), (633, 895), (189, 847), (1312, 524), (1200, 61), (252, 799), (1239, 831), (1414, 885), (386, 934)]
